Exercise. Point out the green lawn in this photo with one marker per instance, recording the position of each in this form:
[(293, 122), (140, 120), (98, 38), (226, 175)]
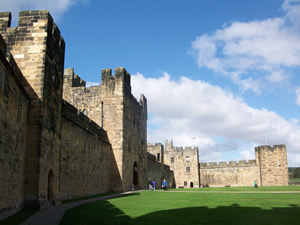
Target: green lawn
[(177, 208)]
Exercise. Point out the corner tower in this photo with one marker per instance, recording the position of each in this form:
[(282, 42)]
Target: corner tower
[(272, 165)]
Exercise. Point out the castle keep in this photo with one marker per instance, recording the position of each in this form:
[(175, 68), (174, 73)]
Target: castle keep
[(60, 139)]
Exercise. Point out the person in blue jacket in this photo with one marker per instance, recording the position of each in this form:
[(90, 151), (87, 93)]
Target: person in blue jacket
[(153, 185), (164, 184)]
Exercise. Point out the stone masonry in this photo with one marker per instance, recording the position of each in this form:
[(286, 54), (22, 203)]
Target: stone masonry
[(268, 169), (183, 161), (112, 106)]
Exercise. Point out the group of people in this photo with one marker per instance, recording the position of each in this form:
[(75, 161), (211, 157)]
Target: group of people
[(152, 184)]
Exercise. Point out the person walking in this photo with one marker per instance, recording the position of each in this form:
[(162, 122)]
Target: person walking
[(150, 184), (164, 184), (153, 185)]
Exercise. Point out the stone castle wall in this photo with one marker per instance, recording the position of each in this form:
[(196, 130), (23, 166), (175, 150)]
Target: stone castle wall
[(51, 151), (269, 167), (38, 48), (14, 105), (158, 171), (112, 106), (85, 156), (241, 173)]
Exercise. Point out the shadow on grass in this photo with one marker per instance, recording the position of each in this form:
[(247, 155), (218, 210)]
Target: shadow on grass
[(103, 212), (19, 217)]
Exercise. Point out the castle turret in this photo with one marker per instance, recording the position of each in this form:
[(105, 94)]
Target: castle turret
[(272, 164)]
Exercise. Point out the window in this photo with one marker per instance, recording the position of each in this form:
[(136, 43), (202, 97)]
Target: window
[(185, 183), (172, 160), (278, 162), (187, 158), (188, 169), (158, 157)]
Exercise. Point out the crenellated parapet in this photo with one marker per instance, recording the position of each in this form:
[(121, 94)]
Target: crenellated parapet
[(72, 79), (5, 20), (270, 147), (240, 163), (37, 46), (118, 84)]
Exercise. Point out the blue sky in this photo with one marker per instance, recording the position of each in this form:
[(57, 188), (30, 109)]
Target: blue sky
[(220, 75)]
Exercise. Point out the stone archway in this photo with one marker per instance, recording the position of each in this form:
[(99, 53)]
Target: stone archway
[(191, 184), (135, 174), (50, 194)]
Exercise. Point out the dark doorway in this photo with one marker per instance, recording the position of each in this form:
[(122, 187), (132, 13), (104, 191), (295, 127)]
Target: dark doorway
[(191, 185), (50, 195), (135, 174)]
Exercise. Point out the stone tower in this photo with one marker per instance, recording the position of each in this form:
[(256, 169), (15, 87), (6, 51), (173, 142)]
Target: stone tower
[(185, 164), (112, 106), (272, 165), (38, 49)]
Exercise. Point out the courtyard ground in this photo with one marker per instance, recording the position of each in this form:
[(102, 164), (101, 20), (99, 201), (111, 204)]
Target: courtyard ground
[(211, 206)]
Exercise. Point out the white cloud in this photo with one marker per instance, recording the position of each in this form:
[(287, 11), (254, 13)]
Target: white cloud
[(55, 7), (90, 83), (193, 112), (276, 77), (253, 52), (246, 155)]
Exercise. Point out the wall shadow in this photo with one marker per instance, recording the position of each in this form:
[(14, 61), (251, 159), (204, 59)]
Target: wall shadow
[(103, 212)]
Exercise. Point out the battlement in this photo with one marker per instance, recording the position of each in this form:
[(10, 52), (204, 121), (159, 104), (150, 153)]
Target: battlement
[(73, 79), (37, 47), (37, 19), (270, 148), (120, 81), (120, 73), (240, 163), (73, 115), (5, 20)]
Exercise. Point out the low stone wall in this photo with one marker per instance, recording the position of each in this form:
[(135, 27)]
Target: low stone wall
[(241, 173), (85, 156)]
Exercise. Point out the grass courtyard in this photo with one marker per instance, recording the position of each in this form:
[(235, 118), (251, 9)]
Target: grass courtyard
[(211, 206)]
